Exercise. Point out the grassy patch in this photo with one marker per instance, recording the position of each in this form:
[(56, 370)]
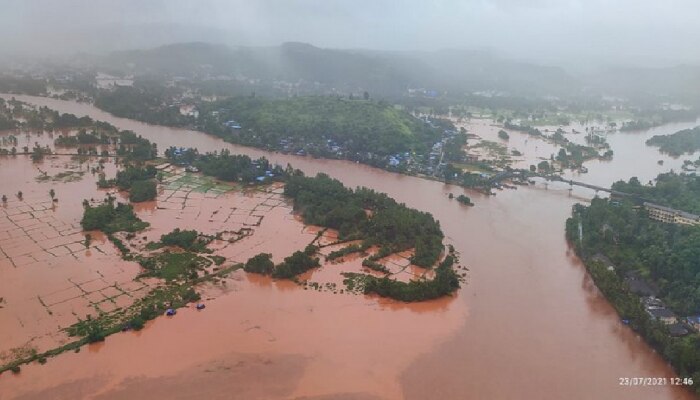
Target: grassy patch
[(174, 266), (109, 219)]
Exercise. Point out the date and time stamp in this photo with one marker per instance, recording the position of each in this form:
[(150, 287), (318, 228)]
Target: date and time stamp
[(649, 381)]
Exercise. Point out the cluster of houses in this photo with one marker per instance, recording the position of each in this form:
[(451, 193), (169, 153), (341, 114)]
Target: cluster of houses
[(657, 310), (396, 159), (655, 307)]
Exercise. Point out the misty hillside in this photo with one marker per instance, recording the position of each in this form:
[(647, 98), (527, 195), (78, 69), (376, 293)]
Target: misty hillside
[(675, 83), (380, 72)]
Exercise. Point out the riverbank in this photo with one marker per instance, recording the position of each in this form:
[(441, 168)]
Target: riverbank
[(529, 323)]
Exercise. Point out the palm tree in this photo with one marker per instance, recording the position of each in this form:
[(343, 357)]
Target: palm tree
[(52, 193)]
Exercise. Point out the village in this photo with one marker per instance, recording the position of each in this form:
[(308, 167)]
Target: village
[(647, 291)]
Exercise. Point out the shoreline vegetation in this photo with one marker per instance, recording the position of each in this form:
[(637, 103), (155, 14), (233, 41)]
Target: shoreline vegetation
[(355, 129), (570, 155), (648, 270), (181, 259), (361, 214), (377, 220), (91, 138), (686, 141)]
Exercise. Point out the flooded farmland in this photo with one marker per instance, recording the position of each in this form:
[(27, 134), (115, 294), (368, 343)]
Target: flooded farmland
[(528, 323)]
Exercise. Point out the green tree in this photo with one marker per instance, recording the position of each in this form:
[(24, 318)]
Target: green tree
[(260, 264), (142, 191)]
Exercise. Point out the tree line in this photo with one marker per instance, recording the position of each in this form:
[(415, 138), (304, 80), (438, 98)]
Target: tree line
[(365, 214), (686, 141), (665, 255)]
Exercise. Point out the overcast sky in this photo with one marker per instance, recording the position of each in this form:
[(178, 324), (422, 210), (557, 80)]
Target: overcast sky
[(563, 32)]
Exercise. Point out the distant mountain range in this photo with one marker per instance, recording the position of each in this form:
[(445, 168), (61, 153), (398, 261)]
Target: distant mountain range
[(377, 71), (455, 72)]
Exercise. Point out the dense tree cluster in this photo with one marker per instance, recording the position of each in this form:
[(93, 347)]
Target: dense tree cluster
[(174, 265), (23, 85), (573, 155), (445, 282), (297, 263), (316, 124), (453, 149), (522, 128), (353, 248), (189, 240), (367, 215), (681, 191), (16, 114), (639, 125), (652, 117), (666, 255), (109, 219), (7, 121), (39, 152), (126, 177), (143, 191), (464, 200), (83, 137), (135, 147), (181, 156), (679, 143), (238, 168), (260, 264), (151, 103), (139, 181)]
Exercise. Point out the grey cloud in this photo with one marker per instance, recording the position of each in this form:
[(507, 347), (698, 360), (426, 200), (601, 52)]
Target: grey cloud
[(572, 32)]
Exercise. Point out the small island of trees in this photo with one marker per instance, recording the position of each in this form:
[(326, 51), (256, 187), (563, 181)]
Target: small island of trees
[(682, 142)]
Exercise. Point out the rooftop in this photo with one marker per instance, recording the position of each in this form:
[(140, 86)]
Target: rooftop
[(661, 312)]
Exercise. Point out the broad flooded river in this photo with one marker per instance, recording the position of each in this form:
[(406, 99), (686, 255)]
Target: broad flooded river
[(528, 324)]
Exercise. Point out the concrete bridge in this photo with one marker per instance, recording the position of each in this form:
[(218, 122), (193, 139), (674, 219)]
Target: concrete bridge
[(557, 178), (589, 186)]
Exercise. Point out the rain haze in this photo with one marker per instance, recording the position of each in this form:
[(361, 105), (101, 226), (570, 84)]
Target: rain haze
[(349, 199), (561, 32)]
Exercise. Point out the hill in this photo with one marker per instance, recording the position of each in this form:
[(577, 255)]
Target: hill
[(324, 126), (383, 72)]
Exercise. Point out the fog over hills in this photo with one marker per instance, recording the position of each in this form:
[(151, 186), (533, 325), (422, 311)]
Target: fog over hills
[(570, 33), (380, 70), (395, 72), (542, 47)]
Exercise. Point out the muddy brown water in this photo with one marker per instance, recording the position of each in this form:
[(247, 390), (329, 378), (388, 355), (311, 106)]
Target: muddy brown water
[(529, 323)]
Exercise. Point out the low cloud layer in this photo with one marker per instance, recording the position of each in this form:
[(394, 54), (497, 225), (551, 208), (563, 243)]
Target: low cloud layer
[(563, 32)]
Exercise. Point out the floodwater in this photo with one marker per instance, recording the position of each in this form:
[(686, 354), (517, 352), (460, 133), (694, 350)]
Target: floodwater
[(632, 156), (45, 266), (528, 323)]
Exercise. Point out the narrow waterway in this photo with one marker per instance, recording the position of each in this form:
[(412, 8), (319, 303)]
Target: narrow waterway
[(529, 323)]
